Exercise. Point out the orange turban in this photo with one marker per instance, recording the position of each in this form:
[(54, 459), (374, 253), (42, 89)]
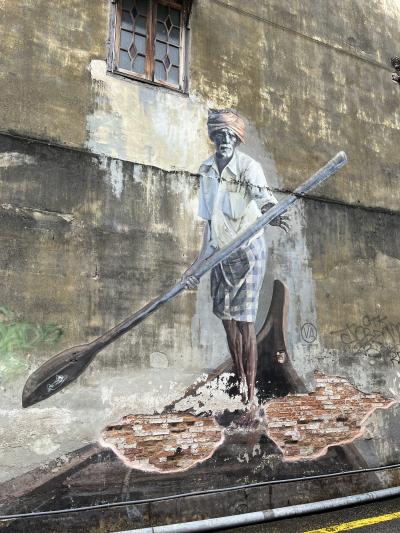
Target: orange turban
[(225, 118)]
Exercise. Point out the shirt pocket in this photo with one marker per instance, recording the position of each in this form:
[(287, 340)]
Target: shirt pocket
[(234, 205)]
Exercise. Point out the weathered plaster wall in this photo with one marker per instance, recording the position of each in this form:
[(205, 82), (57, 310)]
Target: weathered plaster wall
[(311, 92), (146, 120), (355, 261), (312, 82), (94, 227), (87, 241), (46, 51)]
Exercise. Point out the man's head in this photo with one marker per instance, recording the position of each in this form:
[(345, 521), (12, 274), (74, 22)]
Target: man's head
[(225, 141), (226, 129)]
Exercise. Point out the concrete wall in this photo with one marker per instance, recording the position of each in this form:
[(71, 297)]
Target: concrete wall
[(98, 192)]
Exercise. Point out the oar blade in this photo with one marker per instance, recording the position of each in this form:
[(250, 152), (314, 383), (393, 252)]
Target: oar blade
[(57, 373)]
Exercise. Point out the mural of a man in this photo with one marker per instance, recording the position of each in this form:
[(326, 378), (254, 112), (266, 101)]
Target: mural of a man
[(233, 194)]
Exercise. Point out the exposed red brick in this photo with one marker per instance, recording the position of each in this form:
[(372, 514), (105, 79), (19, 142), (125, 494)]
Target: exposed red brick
[(163, 443), (305, 425)]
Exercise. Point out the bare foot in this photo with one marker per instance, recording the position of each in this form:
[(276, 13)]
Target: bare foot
[(251, 418)]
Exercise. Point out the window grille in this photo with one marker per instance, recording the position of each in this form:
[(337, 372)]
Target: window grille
[(149, 41)]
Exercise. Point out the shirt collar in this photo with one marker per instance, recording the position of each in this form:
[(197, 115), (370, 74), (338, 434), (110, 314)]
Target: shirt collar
[(211, 162), (232, 165)]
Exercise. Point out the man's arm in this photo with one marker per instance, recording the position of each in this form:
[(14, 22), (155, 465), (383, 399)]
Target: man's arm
[(282, 221), (263, 195)]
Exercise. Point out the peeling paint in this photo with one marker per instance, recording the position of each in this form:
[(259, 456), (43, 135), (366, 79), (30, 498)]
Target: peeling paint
[(163, 443), (172, 133), (303, 426), (114, 174), (212, 397), (15, 159)]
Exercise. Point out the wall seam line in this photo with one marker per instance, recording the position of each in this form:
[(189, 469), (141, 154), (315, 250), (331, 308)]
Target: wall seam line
[(321, 199)]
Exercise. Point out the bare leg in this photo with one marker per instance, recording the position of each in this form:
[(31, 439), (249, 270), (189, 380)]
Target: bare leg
[(235, 346), (249, 356)]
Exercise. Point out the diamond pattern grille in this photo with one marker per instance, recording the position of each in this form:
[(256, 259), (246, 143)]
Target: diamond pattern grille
[(134, 42)]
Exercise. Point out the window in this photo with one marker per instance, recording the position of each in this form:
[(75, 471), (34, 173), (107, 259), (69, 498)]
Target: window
[(149, 41)]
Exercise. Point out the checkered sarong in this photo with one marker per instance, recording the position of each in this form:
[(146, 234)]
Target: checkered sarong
[(236, 282)]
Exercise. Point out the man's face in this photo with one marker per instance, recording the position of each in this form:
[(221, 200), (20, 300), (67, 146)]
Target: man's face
[(225, 143)]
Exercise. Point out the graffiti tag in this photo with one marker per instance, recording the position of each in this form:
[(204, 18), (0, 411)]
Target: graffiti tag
[(19, 337), (309, 332), (374, 337)]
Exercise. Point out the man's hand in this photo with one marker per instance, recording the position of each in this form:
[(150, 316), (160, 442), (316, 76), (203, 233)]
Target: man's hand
[(282, 221), (190, 281)]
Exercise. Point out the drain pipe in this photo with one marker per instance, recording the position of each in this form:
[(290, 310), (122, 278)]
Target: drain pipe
[(216, 524)]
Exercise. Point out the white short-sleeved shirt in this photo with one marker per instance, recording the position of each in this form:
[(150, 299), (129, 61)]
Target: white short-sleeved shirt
[(244, 177)]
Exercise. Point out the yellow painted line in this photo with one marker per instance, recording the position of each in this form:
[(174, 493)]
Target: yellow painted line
[(363, 522)]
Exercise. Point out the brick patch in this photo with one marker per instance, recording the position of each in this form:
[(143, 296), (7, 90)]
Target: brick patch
[(163, 443), (305, 425)]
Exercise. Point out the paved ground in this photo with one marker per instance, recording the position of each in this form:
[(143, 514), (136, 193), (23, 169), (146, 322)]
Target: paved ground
[(326, 522)]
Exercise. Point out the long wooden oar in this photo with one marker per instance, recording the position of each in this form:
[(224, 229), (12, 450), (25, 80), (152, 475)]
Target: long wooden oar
[(63, 368)]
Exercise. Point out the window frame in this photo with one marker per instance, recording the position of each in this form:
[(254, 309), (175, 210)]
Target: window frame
[(148, 77)]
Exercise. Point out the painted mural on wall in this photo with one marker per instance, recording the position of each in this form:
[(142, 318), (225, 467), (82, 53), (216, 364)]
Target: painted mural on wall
[(233, 194), (284, 362), (235, 203)]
